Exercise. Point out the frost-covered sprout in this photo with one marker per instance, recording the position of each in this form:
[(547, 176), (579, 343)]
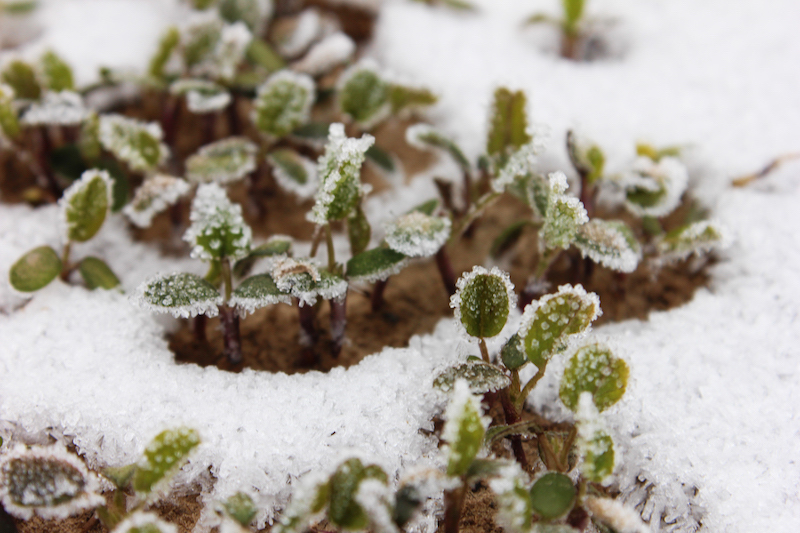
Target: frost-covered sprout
[(340, 176), (425, 137), (199, 37), (482, 377), (374, 265), (202, 96), (164, 456), (47, 481), (325, 55), (654, 189), (363, 95), (180, 294), (283, 103), (565, 214), (253, 13), (615, 515), (548, 324), (595, 445), (697, 238), (294, 172), (521, 163), (305, 281), (141, 522), (463, 430), (222, 161), (594, 369), (56, 73), (21, 77), (587, 158), (9, 123), (258, 291), (508, 125), (610, 243), (218, 230), (156, 194), (136, 143), (483, 301), (64, 108), (552, 495), (418, 234)]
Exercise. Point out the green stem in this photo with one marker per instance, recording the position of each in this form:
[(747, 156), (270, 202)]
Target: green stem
[(520, 401), (482, 203), (545, 260), (329, 244), (484, 350)]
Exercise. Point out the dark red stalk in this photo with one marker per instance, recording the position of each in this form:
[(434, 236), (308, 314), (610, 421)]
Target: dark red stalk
[(446, 270), (308, 336), (338, 324), (377, 294), (232, 341)]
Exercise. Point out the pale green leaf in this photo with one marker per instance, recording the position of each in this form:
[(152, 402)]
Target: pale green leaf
[(402, 97), (256, 292), (596, 370), (222, 162), (482, 377), (218, 230), (344, 511), (697, 238), (166, 45), (416, 234), (363, 95), (463, 430), (85, 204), (508, 126), (293, 172), (552, 495), (610, 243), (482, 301), (241, 508), (424, 137), (136, 143), (97, 274), (21, 77), (182, 295), (565, 214), (165, 455), (35, 270), (374, 265), (283, 103), (359, 231), (56, 72), (9, 123)]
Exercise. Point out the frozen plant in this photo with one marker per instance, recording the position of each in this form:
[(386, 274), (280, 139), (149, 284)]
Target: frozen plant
[(153, 196), (136, 143), (574, 27), (222, 162), (283, 103)]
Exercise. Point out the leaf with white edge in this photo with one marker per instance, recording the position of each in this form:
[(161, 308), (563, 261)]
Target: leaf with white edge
[(97, 274), (513, 353), (134, 142), (141, 522), (22, 78), (425, 137), (595, 446), (359, 230), (199, 37), (615, 515), (253, 13), (256, 292), (241, 508), (596, 370), (552, 495), (375, 265), (326, 54), (482, 377), (363, 95), (277, 245), (483, 301), (610, 243), (520, 163), (514, 511), (35, 270), (56, 73), (402, 97), (654, 189), (182, 295), (202, 96), (340, 176), (698, 238), (508, 124), (548, 323), (166, 46), (310, 498), (47, 481), (565, 214), (65, 108), (218, 230), (306, 282), (416, 234), (534, 190), (283, 103), (463, 430), (229, 52), (222, 161), (294, 172), (588, 159), (344, 510), (164, 456), (9, 123), (155, 195), (85, 204)]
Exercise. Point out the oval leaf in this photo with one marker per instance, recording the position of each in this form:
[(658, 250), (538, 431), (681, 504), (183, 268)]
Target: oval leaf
[(35, 270), (222, 162), (256, 292), (697, 238), (56, 73), (97, 274), (165, 454), (293, 172), (598, 456), (182, 295), (283, 103), (359, 231), (375, 265), (416, 234), (482, 377), (363, 95), (513, 353), (594, 369), (552, 495), (483, 300), (85, 205), (610, 243), (508, 128)]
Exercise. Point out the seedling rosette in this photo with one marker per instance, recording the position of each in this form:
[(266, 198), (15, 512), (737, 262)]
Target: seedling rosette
[(283, 103)]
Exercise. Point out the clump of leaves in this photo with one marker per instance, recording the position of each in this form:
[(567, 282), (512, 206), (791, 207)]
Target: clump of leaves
[(283, 103)]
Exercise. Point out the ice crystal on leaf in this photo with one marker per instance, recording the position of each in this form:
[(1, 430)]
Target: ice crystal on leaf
[(339, 171), (482, 377), (283, 103), (141, 522), (306, 282), (164, 456), (655, 188), (218, 230), (417, 234), (63, 108), (202, 96), (483, 300), (294, 172), (377, 501), (328, 53), (565, 214), (363, 94), (374, 265), (85, 205), (48, 481), (610, 243), (697, 238), (520, 163), (595, 446), (180, 294), (136, 143), (221, 50), (222, 162), (256, 292), (594, 369), (463, 429), (157, 193), (514, 503)]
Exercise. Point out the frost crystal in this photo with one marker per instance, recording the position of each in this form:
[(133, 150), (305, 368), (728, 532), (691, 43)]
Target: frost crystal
[(49, 481), (326, 54), (610, 243), (141, 522), (375, 497), (463, 429), (218, 230), (136, 143), (340, 175), (520, 163), (202, 96), (222, 162), (613, 513), (514, 512), (698, 238), (294, 172), (283, 103), (564, 215), (181, 295), (63, 108), (457, 301), (154, 196), (305, 281), (655, 189), (417, 234)]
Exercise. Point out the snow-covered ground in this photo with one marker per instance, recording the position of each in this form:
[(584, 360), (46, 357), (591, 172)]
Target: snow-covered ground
[(709, 428)]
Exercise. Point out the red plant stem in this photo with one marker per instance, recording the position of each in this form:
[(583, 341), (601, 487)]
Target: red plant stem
[(308, 335), (377, 294), (43, 157), (446, 270), (232, 342), (199, 328), (169, 119), (453, 504), (338, 324), (512, 417), (234, 125)]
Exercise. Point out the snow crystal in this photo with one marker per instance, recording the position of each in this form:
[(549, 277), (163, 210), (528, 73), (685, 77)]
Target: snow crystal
[(154, 196), (417, 234), (64, 108), (217, 229), (326, 54)]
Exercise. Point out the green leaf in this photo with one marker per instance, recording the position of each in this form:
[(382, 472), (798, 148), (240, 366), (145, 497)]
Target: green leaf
[(508, 237), (508, 128), (22, 78), (35, 270), (463, 430), (256, 292), (552, 495), (120, 476), (363, 95), (514, 511), (358, 231), (85, 205), (594, 369), (655, 189), (610, 243), (482, 377), (259, 52), (573, 13), (425, 137), (56, 72), (97, 274), (376, 264), (564, 215), (218, 230), (589, 161), (428, 208), (89, 138), (166, 45), (9, 123), (18, 7), (344, 510), (697, 238), (313, 130), (402, 97), (486, 468), (67, 161), (199, 40), (656, 154), (416, 234), (547, 324), (381, 158), (283, 103), (202, 96), (136, 143), (241, 508), (534, 190), (181, 295), (407, 500), (222, 162), (120, 184), (252, 13), (164, 456), (598, 456), (513, 353), (290, 164), (482, 301), (542, 18)]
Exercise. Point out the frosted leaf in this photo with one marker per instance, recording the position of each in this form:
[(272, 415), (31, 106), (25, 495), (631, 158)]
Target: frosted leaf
[(374, 265), (21, 76), (328, 53), (156, 194), (218, 230), (508, 122), (463, 429), (164, 456), (548, 324), (181, 295), (253, 13), (56, 73), (514, 504), (9, 124), (230, 49), (595, 370), (565, 214), (595, 446), (377, 501), (483, 300), (587, 158), (362, 94), (222, 161), (615, 515), (294, 172), (48, 481), (309, 499), (610, 243), (307, 28), (35, 270), (339, 171), (167, 45), (482, 377), (425, 137), (654, 188), (520, 163), (141, 522), (698, 238), (85, 205), (283, 103), (552, 495), (306, 282), (241, 508), (202, 96), (64, 108), (215, 49), (256, 292), (534, 190), (135, 142), (417, 234), (343, 509), (199, 37)]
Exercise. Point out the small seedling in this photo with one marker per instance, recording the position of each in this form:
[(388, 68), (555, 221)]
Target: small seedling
[(574, 27), (283, 103)]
